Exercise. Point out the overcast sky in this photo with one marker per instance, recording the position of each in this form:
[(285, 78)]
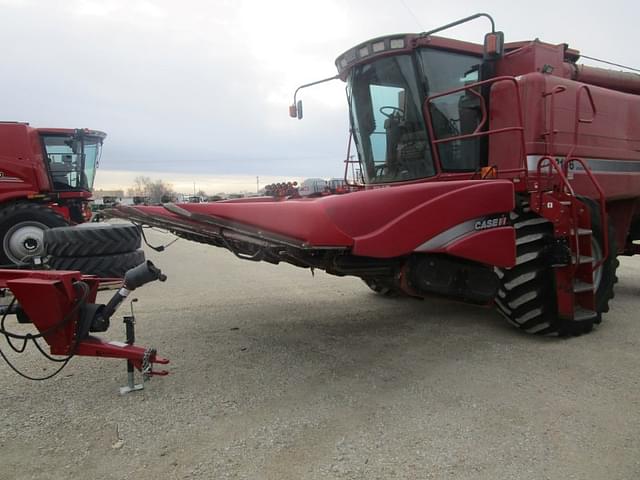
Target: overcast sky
[(198, 90)]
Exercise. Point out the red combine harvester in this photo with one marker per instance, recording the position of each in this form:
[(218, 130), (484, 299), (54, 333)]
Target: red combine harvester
[(46, 177), (501, 173)]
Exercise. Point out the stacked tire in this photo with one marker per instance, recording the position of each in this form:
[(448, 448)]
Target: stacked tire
[(22, 227), (101, 249)]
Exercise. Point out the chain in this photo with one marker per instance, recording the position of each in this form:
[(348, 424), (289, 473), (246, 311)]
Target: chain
[(147, 364)]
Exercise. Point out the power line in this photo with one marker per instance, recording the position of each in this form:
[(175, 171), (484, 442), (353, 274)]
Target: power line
[(412, 14), (609, 63)]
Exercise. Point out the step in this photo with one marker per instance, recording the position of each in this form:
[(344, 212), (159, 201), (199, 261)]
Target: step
[(579, 286), (583, 314), (583, 259)]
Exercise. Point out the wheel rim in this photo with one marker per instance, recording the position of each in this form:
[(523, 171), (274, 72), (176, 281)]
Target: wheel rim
[(596, 253), (24, 240)]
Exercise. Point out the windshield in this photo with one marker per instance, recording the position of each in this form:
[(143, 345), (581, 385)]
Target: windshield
[(457, 113), (386, 103), (388, 125), (72, 160)]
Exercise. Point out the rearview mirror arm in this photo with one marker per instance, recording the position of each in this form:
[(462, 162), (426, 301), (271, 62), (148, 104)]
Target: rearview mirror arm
[(294, 110)]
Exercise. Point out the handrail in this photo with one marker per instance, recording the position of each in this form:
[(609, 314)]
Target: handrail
[(578, 120), (483, 107), (594, 181), (552, 131), (569, 190), (570, 158), (603, 209), (483, 121), (357, 183), (554, 164)]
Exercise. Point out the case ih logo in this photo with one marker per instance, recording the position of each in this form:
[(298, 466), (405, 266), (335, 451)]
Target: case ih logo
[(491, 222)]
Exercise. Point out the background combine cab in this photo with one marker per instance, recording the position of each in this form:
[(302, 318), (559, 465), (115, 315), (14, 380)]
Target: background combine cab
[(46, 178)]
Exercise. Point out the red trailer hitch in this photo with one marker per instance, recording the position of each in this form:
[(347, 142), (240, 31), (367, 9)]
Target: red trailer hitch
[(61, 305)]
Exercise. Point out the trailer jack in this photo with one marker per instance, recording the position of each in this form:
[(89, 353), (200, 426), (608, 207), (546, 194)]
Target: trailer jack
[(146, 367), (61, 305)]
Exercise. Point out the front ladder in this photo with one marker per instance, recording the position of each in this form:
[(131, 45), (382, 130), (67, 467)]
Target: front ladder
[(572, 253)]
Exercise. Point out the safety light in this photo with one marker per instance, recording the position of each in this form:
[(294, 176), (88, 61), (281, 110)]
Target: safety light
[(366, 50), (377, 47)]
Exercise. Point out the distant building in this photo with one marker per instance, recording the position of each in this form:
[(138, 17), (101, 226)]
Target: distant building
[(108, 193)]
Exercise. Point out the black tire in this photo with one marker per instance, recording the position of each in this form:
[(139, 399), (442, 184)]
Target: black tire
[(105, 266), (22, 227), (527, 296), (608, 279), (527, 293), (381, 287), (91, 239)]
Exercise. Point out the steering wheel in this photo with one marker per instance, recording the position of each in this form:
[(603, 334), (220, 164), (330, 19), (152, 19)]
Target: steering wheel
[(390, 111)]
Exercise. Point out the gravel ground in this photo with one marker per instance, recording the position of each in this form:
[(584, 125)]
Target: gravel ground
[(276, 374)]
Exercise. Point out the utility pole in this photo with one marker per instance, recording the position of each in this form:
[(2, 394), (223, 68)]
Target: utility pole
[(257, 184)]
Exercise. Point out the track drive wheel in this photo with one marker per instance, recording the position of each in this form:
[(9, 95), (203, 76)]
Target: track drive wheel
[(22, 227)]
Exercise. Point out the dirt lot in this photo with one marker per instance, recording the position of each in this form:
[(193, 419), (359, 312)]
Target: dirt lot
[(276, 374)]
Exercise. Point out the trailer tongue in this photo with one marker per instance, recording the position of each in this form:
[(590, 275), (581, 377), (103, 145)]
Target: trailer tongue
[(62, 306)]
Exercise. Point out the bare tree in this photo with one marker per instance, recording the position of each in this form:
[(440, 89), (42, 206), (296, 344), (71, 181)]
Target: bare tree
[(156, 191), (140, 186), (160, 191)]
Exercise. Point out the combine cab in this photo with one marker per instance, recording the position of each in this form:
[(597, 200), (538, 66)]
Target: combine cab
[(495, 173)]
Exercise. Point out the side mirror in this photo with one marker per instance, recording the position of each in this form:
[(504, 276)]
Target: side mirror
[(295, 110), (493, 45)]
